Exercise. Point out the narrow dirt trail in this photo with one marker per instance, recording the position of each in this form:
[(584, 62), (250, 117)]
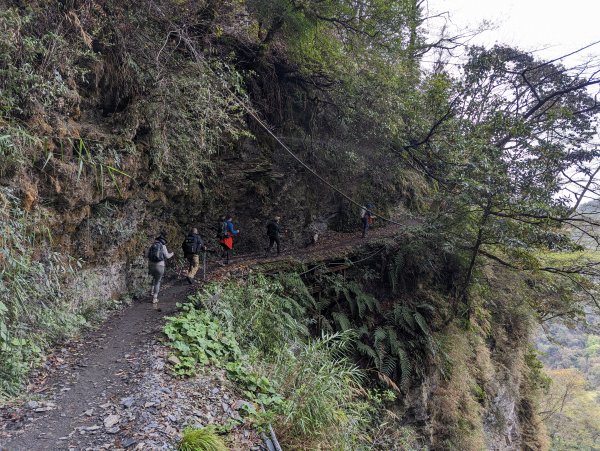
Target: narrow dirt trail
[(108, 363)]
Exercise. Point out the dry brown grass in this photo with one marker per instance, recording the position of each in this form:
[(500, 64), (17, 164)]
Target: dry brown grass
[(456, 414)]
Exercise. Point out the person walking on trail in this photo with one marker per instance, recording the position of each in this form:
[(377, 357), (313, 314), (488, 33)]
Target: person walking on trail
[(366, 216), (192, 246), (228, 231), (274, 232), (157, 255)]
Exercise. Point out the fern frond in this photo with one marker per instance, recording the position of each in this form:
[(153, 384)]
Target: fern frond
[(389, 365), (342, 321), (366, 350), (426, 306), (405, 369), (403, 318), (394, 343), (362, 331), (379, 335), (420, 320), (324, 324), (408, 317)]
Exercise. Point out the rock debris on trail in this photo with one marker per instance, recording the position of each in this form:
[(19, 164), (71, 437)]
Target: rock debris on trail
[(111, 390)]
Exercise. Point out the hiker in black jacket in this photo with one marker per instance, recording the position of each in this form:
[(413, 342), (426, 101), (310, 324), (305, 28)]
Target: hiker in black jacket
[(192, 246), (273, 232)]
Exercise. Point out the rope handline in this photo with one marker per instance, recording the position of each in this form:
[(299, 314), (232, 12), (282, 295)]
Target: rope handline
[(311, 170), (349, 262), (255, 116)]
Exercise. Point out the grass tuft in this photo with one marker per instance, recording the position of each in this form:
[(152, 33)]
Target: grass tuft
[(201, 439)]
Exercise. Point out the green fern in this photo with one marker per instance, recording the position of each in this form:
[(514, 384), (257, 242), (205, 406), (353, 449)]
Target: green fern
[(394, 343), (403, 318), (405, 369), (366, 350), (342, 321), (395, 268), (324, 325), (362, 301), (379, 335), (420, 320), (389, 365), (362, 331)]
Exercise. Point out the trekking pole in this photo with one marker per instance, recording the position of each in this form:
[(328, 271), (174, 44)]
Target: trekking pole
[(204, 265)]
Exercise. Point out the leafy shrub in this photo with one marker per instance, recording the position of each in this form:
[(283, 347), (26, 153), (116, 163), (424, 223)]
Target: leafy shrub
[(254, 386), (201, 439), (258, 310), (198, 338), (310, 388)]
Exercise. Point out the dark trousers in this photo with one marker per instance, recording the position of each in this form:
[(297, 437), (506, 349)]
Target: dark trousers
[(273, 240), (365, 226), (225, 253)]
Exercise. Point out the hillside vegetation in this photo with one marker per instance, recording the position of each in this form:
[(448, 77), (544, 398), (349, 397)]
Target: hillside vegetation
[(121, 118)]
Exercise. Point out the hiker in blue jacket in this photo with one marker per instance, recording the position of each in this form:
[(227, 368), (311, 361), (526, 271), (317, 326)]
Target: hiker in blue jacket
[(227, 240), (230, 228)]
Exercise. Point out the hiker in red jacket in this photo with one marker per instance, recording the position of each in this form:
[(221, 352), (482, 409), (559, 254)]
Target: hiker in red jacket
[(226, 234)]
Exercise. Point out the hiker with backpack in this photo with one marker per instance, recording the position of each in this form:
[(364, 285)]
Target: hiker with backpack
[(366, 217), (273, 232), (192, 246), (157, 255), (226, 232)]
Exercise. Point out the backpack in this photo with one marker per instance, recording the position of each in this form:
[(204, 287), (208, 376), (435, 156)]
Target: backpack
[(156, 254), (272, 228), (222, 230), (190, 245)]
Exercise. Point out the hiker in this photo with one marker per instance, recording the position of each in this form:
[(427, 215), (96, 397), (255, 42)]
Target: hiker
[(192, 246), (157, 254), (226, 233), (366, 216), (273, 232)]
